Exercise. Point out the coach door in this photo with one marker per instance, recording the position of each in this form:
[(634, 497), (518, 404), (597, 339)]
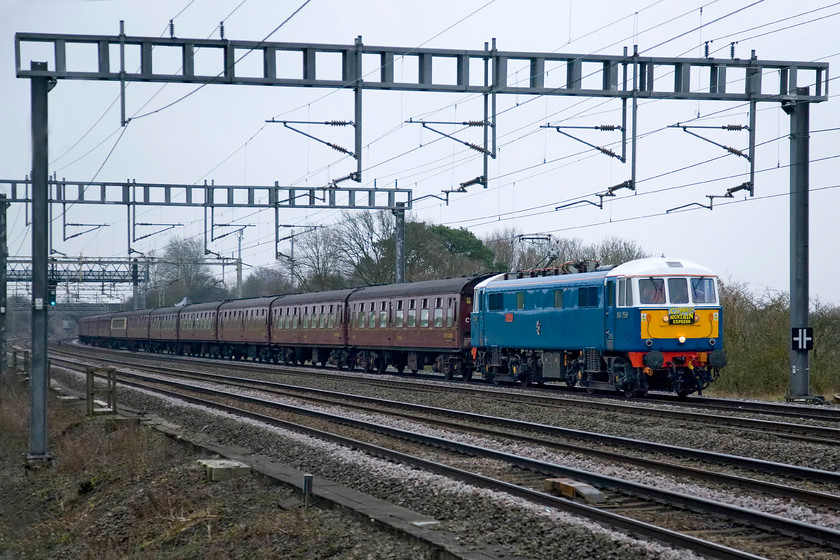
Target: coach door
[(609, 314)]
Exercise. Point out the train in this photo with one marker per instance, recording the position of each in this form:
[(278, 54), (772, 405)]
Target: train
[(647, 324)]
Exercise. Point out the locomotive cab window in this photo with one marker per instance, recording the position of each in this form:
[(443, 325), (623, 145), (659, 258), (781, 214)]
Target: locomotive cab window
[(625, 292), (703, 290), (677, 290), (558, 298), (651, 290), (520, 300), (495, 302)]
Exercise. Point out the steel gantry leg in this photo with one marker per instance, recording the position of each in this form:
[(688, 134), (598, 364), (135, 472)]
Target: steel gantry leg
[(38, 380), (799, 123)]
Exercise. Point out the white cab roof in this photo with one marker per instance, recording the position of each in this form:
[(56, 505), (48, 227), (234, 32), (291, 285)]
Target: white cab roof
[(659, 266)]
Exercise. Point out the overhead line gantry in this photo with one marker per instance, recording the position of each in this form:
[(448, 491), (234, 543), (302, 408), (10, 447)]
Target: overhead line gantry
[(602, 80)]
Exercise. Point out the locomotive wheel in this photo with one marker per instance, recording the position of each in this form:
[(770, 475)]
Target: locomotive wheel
[(625, 378)]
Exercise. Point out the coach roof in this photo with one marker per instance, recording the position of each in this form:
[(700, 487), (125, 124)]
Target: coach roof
[(426, 287)]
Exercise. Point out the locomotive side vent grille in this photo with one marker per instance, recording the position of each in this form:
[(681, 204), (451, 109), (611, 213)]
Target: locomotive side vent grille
[(593, 359), (495, 356)]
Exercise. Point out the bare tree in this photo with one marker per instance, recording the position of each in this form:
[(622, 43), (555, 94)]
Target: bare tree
[(268, 280), (614, 250), (181, 273), (362, 239), (319, 261)]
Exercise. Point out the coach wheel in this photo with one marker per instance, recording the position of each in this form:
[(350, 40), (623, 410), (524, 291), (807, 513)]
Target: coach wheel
[(380, 363), (400, 364), (447, 368)]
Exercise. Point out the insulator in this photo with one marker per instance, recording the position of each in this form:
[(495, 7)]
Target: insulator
[(222, 30), (733, 127), (340, 149), (734, 151), (707, 49), (732, 50), (338, 123), (171, 29), (608, 152), (474, 146), (607, 127), (474, 123)]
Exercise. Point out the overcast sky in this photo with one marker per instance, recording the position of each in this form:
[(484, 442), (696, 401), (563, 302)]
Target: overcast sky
[(219, 133)]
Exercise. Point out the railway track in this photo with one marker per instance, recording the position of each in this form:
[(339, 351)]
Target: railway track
[(632, 500), (792, 430)]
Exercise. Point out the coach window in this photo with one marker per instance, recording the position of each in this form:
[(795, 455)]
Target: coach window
[(398, 316), (323, 320), (424, 313), (331, 322), (383, 315), (372, 315), (438, 313), (362, 316), (450, 315), (412, 313)]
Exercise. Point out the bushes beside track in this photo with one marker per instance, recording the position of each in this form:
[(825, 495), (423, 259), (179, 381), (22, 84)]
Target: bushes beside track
[(757, 341)]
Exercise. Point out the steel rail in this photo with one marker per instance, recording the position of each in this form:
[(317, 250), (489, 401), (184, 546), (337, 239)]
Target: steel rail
[(759, 465), (768, 522), (602, 517), (329, 398), (821, 414)]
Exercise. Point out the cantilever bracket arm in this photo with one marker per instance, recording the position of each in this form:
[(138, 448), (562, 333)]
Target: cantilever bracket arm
[(729, 149), (709, 207), (730, 193), (91, 227), (601, 205), (470, 145), (239, 227), (324, 142), (605, 151), (444, 198), (628, 184), (167, 228)]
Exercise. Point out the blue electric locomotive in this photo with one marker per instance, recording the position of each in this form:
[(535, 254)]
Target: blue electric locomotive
[(646, 324)]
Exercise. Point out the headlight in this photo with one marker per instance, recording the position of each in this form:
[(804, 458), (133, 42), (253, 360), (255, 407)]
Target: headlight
[(682, 340)]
